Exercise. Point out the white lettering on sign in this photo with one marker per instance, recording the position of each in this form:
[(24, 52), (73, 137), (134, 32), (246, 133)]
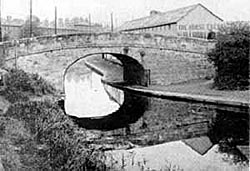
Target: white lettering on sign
[(199, 27)]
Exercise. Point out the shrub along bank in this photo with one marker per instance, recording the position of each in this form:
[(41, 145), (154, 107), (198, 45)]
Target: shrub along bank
[(231, 57), (46, 138)]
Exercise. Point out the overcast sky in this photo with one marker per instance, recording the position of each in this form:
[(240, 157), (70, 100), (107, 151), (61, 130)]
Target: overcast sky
[(123, 10)]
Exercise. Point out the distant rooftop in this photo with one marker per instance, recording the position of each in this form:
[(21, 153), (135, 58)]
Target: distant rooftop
[(160, 18)]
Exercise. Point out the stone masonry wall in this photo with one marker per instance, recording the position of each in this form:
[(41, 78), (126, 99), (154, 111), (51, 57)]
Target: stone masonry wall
[(169, 59)]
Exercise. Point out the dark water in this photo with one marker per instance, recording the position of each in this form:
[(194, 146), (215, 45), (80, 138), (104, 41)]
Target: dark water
[(148, 120)]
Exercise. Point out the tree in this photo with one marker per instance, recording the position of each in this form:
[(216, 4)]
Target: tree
[(231, 56), (25, 29), (75, 20)]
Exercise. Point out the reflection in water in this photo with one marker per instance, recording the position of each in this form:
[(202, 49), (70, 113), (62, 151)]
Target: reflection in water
[(149, 120), (129, 112), (229, 130), (87, 97)]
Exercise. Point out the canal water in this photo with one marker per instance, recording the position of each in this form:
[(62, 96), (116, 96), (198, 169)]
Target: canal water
[(87, 97), (157, 125)]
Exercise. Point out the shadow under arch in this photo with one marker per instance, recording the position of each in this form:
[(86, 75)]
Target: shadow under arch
[(133, 106), (129, 112)]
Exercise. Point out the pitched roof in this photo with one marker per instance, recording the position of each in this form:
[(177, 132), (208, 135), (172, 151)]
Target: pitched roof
[(168, 17)]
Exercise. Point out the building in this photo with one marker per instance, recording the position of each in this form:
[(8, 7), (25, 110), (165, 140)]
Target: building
[(89, 28), (11, 31), (190, 21)]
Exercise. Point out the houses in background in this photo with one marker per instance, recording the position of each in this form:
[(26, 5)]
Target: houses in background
[(191, 21), (13, 31), (12, 28)]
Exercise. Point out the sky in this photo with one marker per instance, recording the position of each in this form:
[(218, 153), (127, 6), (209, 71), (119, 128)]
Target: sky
[(123, 10)]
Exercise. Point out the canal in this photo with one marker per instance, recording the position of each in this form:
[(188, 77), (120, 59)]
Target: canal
[(150, 121)]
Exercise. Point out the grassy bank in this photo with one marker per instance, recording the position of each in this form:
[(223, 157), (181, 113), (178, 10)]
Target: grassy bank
[(36, 134)]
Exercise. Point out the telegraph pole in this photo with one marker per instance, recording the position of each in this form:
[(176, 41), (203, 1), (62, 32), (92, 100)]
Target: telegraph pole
[(112, 25), (89, 23), (1, 37), (55, 20), (30, 18)]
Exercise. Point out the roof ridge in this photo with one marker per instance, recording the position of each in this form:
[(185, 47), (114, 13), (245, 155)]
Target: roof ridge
[(163, 13), (138, 19), (181, 8), (193, 8)]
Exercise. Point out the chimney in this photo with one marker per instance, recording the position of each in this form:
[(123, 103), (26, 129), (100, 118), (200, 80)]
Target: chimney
[(154, 12)]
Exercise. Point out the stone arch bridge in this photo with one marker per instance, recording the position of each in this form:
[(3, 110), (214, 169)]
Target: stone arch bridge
[(169, 59)]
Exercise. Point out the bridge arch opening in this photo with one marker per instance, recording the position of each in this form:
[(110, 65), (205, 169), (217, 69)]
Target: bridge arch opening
[(101, 78), (133, 74)]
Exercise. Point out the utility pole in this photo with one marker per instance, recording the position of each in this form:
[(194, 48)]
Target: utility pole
[(30, 18), (1, 37), (89, 23), (112, 24), (55, 20), (116, 23)]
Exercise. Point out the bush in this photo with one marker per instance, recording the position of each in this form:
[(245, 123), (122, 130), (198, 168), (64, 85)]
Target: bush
[(231, 57), (14, 95), (18, 80), (20, 84)]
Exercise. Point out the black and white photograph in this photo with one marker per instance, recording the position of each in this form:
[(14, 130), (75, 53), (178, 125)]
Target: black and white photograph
[(124, 85)]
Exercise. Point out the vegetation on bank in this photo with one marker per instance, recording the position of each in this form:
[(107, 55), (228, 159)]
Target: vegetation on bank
[(20, 85), (231, 57), (37, 135)]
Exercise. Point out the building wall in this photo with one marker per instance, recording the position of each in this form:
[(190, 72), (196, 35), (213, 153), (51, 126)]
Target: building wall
[(198, 23), (51, 31), (167, 30)]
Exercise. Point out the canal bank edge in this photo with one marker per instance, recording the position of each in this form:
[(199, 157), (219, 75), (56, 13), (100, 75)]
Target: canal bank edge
[(221, 103), (218, 102)]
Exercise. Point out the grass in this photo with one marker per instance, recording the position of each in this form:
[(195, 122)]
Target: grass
[(36, 134)]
